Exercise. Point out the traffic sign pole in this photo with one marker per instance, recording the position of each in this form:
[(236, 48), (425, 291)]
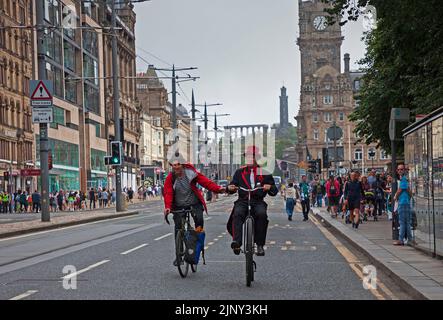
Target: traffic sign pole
[(45, 216)]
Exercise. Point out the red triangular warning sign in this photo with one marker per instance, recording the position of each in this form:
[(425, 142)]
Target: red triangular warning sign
[(41, 92)]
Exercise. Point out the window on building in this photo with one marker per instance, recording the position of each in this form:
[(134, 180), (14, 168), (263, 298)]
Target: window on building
[(327, 99), (341, 116), (358, 154), (91, 94), (315, 134), (70, 55), (327, 117), (357, 84), (97, 160), (356, 103), (55, 75), (71, 88), (90, 69), (90, 42), (59, 117), (315, 117), (53, 46), (383, 155)]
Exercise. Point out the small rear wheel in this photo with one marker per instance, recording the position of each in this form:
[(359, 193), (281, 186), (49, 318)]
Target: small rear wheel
[(182, 265)]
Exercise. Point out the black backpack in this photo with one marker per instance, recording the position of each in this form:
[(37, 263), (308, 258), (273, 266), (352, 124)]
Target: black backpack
[(191, 239)]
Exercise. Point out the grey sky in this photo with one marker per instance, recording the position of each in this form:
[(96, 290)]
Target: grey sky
[(245, 50)]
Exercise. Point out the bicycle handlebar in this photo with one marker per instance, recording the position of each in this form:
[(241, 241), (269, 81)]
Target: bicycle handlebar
[(176, 211), (251, 190)]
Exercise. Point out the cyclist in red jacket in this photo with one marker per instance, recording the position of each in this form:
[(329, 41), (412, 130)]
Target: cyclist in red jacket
[(181, 191)]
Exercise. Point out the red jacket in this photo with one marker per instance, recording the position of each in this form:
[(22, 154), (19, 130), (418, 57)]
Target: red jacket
[(195, 177), (337, 189)]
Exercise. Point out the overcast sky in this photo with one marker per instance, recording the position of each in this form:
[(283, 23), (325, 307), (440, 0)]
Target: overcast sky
[(245, 50)]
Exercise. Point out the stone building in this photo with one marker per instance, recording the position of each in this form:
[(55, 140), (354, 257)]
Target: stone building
[(328, 95), (16, 130)]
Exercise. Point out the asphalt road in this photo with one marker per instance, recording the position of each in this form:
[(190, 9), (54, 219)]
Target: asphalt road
[(131, 258)]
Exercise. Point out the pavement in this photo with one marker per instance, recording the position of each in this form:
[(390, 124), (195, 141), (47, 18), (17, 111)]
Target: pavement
[(412, 269)]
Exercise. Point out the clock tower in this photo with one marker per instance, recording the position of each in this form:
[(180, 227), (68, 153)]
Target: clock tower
[(319, 42)]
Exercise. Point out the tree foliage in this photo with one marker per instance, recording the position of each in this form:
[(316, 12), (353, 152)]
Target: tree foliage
[(403, 63)]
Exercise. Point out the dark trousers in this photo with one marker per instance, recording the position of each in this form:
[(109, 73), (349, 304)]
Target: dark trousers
[(197, 216), (305, 207), (90, 204), (260, 217), (36, 206), (5, 206), (378, 207)]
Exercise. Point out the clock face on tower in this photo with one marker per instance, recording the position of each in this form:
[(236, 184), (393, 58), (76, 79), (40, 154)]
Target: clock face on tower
[(320, 23)]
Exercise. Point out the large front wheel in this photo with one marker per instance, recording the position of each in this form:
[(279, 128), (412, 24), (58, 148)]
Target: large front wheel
[(249, 250), (182, 265)]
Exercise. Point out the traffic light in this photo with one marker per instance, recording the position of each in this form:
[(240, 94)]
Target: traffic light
[(312, 168), (6, 175), (325, 156), (116, 156), (318, 166)]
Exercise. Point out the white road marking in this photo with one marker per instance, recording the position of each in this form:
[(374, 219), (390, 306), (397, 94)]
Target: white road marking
[(284, 248), (220, 236), (224, 233), (162, 237), (136, 248), (206, 248), (24, 295), (74, 274), (288, 242), (216, 239), (208, 218), (210, 243)]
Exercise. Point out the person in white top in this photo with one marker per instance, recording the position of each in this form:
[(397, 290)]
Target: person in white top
[(290, 198)]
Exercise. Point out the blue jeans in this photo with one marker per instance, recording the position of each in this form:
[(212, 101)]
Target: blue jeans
[(319, 200), (405, 217), (290, 203)]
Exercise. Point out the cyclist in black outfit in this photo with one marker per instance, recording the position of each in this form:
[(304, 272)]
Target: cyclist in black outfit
[(248, 177)]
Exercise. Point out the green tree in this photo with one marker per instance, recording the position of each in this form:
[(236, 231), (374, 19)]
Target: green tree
[(403, 64)]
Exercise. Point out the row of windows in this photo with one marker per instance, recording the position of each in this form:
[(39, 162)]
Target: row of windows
[(12, 77), (329, 100), (372, 154), (12, 114), (327, 86), (97, 160), (11, 6), (10, 150), (328, 117)]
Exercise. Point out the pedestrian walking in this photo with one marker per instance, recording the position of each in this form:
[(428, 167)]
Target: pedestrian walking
[(36, 201), (290, 198), (353, 195), (91, 198), (305, 191)]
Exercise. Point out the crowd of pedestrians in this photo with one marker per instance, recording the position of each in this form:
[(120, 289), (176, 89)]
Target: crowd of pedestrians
[(357, 198), (69, 200)]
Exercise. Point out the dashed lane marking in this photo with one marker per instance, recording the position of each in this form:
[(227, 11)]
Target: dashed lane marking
[(162, 237), (133, 249), (24, 295), (74, 274)]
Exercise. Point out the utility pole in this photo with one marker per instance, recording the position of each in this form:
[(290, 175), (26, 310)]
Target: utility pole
[(175, 79), (119, 207), (40, 9)]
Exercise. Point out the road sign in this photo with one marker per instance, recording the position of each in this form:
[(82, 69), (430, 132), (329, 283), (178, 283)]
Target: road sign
[(400, 114), (336, 158), (42, 115), (30, 172), (41, 93), (334, 133)]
